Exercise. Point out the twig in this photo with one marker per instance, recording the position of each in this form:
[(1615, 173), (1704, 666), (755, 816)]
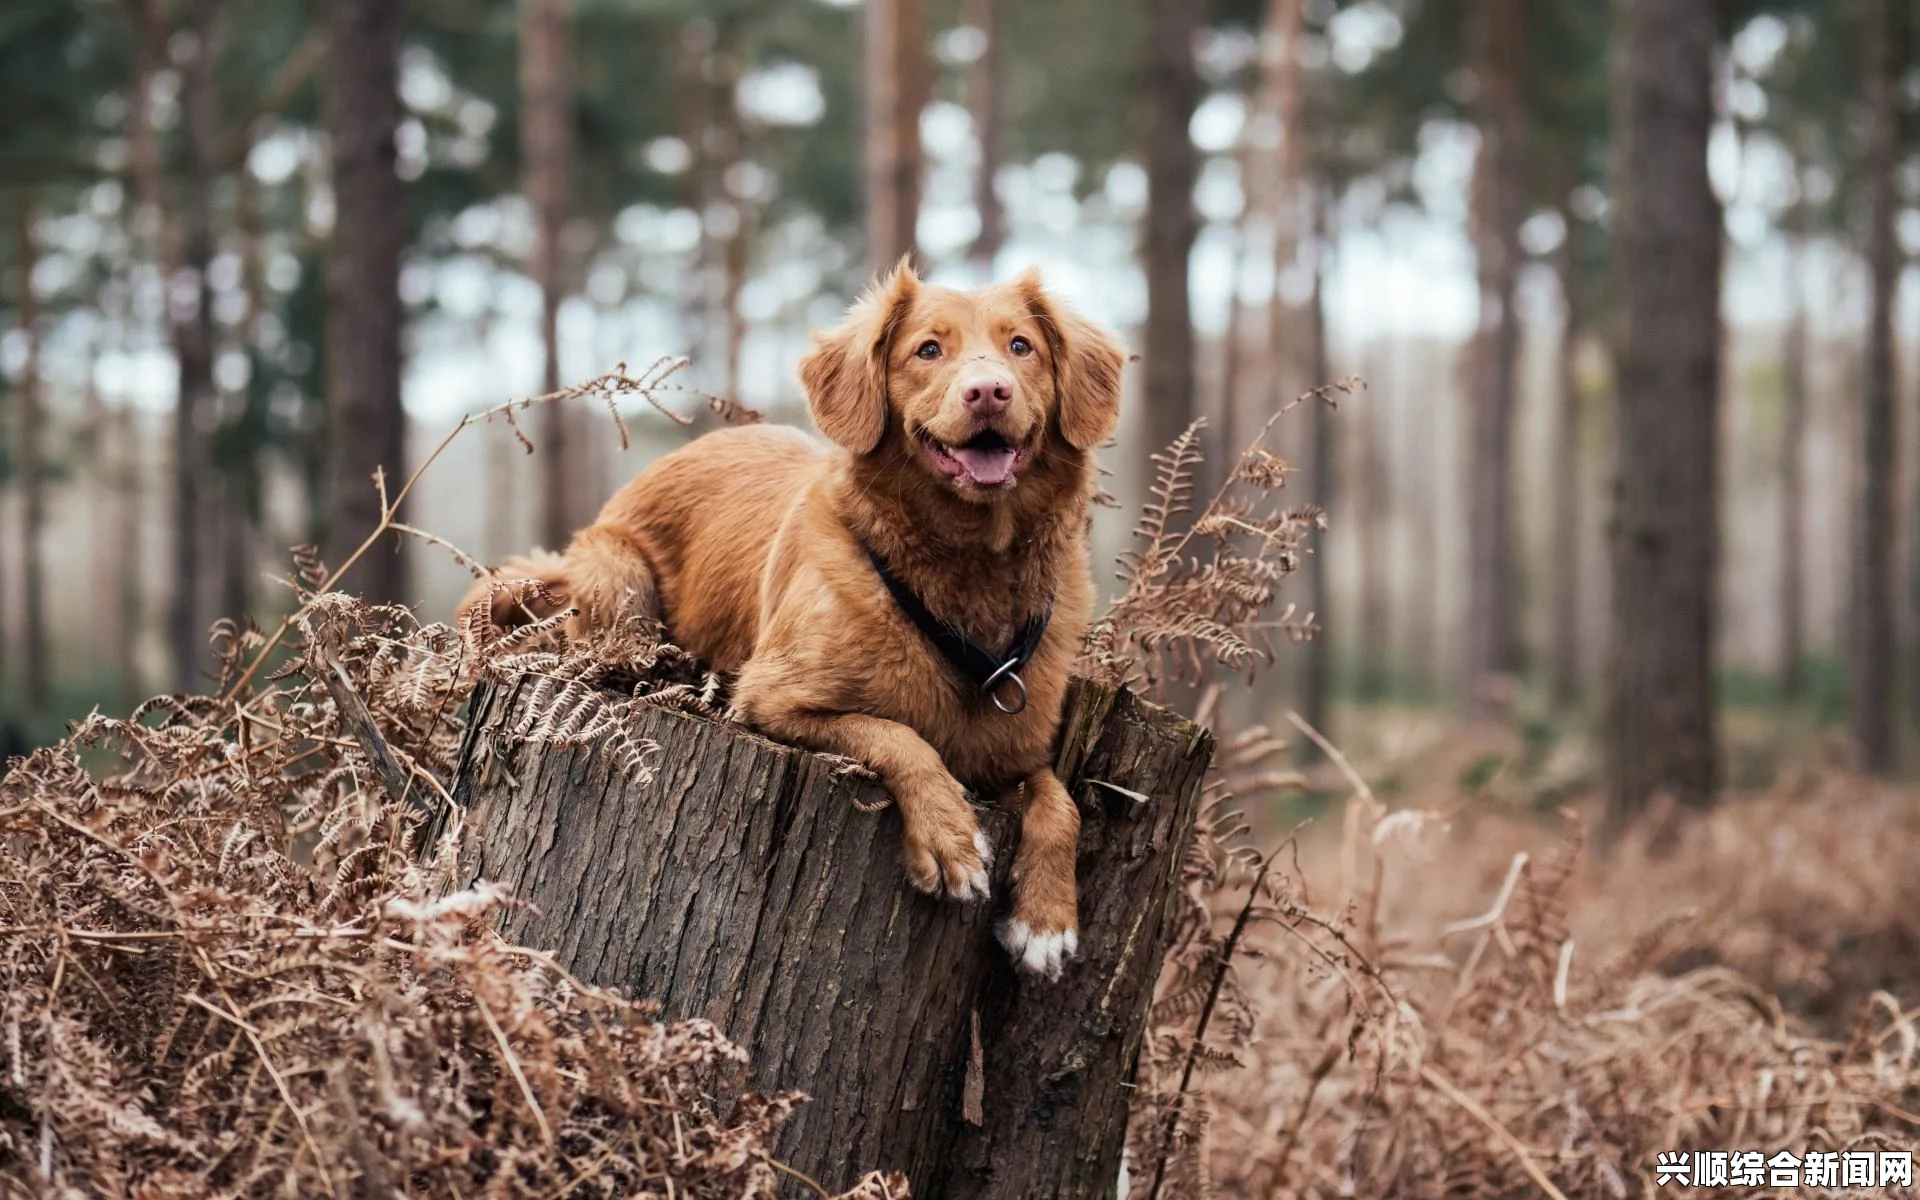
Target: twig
[(1206, 1015), (1494, 1127), (613, 382), (1334, 756), (360, 723), (513, 1065), (279, 1082), (798, 1174)]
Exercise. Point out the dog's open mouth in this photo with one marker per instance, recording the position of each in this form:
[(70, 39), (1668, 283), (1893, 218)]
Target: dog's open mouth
[(985, 460)]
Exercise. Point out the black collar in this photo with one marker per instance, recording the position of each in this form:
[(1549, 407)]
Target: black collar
[(988, 670)]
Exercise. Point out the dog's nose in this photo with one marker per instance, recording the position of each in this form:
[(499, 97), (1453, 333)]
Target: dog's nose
[(987, 395)]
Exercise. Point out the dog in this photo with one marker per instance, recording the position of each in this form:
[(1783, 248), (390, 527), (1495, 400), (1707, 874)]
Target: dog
[(909, 593)]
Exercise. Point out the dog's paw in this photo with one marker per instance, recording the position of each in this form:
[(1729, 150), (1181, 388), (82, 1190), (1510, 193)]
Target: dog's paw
[(952, 863), (1041, 953)]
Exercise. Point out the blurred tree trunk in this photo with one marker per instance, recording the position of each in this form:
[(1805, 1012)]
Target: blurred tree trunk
[(1564, 667), (1270, 165), (983, 102), (128, 498), (1171, 92), (897, 88), (1871, 668), (1793, 435), (113, 502), (33, 484), (727, 137), (243, 437), (1660, 727), (1317, 672), (1496, 36), (367, 426), (1371, 500), (190, 302), (546, 146)]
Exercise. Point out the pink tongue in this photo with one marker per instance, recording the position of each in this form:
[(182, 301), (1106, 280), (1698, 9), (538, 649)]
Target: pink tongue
[(988, 467)]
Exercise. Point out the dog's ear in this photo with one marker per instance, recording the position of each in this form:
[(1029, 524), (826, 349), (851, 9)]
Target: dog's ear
[(845, 374), (1087, 361)]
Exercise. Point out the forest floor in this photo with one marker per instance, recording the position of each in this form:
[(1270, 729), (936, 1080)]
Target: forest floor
[(1510, 1009)]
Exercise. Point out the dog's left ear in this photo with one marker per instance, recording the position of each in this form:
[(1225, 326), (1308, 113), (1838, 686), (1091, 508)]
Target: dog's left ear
[(1087, 361), (845, 374)]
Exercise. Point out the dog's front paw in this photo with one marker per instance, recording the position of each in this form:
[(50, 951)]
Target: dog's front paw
[(1041, 952), (947, 854)]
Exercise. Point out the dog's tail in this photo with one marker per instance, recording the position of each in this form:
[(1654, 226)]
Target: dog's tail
[(509, 606), (603, 574)]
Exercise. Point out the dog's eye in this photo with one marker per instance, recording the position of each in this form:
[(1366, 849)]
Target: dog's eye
[(929, 350), (1021, 347)]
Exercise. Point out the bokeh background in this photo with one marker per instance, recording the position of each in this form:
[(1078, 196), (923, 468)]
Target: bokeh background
[(251, 249)]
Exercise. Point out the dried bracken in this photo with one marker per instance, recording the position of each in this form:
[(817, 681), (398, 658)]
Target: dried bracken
[(233, 967), (230, 970), (1484, 1010), (1203, 590)]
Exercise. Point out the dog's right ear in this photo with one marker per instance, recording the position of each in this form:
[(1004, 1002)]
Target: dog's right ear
[(845, 374)]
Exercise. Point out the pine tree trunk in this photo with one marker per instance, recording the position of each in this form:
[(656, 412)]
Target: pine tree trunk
[(743, 885), (1497, 35), (367, 426), (1270, 162), (983, 102), (897, 89), (1317, 672), (546, 146), (245, 431), (33, 484), (1871, 666), (1660, 725), (1370, 502), (191, 320), (128, 500), (1172, 88), (1793, 501), (1564, 670)]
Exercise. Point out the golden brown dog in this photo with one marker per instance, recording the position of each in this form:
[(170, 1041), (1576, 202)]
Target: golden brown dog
[(961, 424)]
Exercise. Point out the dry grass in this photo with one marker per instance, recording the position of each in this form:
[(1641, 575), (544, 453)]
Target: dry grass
[(1479, 1006), (235, 967)]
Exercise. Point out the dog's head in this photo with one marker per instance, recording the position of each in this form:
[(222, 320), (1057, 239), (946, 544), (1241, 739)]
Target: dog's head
[(975, 386)]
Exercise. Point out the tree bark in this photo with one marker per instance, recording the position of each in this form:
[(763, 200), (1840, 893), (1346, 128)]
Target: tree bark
[(1497, 37), (546, 145), (367, 426), (33, 484), (1871, 668), (897, 89), (983, 102), (1564, 670), (743, 885), (1793, 500), (1171, 92), (1660, 726)]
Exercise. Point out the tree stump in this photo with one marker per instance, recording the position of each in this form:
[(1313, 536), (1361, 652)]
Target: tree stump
[(744, 884)]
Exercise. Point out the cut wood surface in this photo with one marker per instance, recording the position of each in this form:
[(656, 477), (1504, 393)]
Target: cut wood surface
[(746, 884)]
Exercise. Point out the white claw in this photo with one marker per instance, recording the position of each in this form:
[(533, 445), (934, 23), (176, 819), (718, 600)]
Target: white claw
[(975, 887), (984, 849), (1043, 954)]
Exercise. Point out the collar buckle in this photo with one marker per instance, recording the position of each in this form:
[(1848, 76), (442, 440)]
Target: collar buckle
[(1009, 672)]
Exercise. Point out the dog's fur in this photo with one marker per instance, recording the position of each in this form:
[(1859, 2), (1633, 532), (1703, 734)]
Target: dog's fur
[(746, 543)]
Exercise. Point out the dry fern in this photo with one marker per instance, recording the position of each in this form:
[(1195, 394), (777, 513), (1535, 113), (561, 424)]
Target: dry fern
[(1202, 591)]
